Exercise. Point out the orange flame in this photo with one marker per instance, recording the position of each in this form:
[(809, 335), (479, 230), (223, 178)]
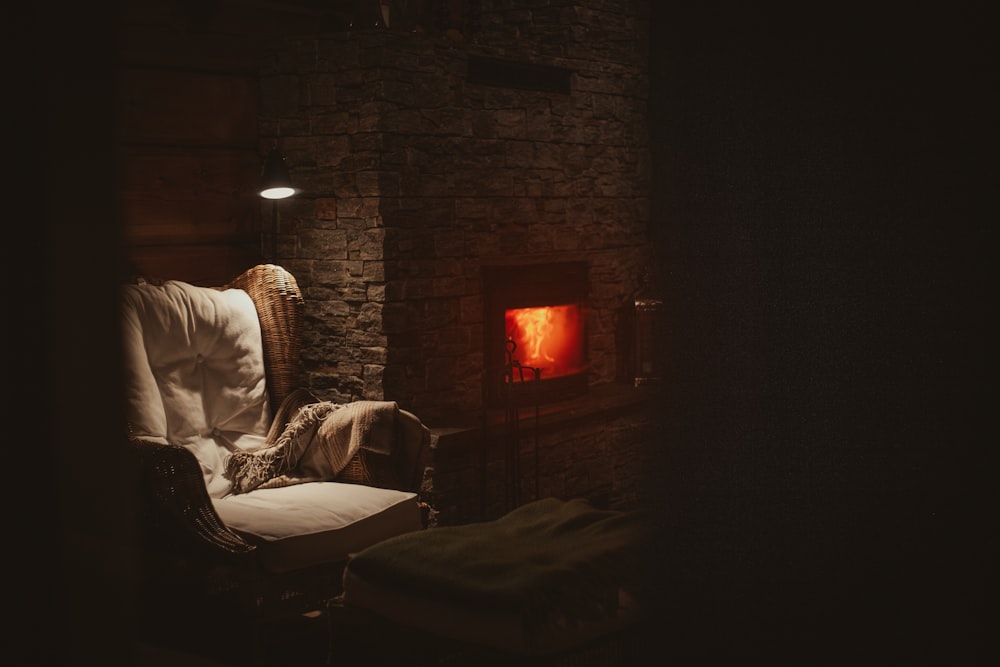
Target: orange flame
[(547, 337)]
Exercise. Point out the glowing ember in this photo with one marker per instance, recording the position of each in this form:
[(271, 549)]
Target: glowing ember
[(547, 337)]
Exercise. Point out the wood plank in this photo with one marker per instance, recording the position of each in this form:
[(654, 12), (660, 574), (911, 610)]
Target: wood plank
[(302, 18), (167, 172), (188, 108), (148, 221), (207, 265), (146, 47), (170, 193)]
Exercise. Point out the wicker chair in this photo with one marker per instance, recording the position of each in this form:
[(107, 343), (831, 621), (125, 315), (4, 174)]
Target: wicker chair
[(197, 571)]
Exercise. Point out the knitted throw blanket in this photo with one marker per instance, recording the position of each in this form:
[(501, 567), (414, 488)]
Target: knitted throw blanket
[(316, 445)]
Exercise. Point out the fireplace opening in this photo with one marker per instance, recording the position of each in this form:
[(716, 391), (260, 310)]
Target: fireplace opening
[(535, 317), (549, 338)]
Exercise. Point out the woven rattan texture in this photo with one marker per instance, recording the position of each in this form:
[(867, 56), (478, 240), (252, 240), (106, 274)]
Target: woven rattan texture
[(279, 304)]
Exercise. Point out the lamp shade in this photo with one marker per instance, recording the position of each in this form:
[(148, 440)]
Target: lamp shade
[(274, 180)]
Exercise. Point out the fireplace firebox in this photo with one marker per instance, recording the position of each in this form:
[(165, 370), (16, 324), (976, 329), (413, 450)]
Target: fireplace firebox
[(535, 316)]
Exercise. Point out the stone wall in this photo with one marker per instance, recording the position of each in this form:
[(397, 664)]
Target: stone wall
[(595, 446), (416, 172)]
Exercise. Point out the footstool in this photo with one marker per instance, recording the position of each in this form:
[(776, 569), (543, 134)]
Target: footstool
[(548, 578)]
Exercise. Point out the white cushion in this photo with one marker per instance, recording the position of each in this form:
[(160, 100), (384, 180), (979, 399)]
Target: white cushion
[(305, 524), (194, 372)]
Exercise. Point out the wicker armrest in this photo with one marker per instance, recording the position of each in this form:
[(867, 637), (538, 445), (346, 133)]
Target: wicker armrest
[(402, 468), (173, 479)]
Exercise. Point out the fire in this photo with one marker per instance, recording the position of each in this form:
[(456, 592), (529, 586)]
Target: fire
[(547, 337)]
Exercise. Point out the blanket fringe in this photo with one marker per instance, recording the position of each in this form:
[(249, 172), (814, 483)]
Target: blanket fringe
[(247, 470)]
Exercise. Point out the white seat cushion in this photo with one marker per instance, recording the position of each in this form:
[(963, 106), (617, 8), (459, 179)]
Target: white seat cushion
[(306, 524)]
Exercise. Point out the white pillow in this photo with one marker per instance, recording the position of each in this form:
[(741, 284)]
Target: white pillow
[(194, 372)]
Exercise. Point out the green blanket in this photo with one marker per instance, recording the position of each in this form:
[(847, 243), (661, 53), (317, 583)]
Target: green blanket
[(549, 561)]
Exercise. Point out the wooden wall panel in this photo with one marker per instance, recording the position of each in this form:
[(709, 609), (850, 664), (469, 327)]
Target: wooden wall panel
[(180, 221), (174, 194), (190, 167), (150, 46), (184, 171), (188, 108), (209, 265), (188, 128)]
